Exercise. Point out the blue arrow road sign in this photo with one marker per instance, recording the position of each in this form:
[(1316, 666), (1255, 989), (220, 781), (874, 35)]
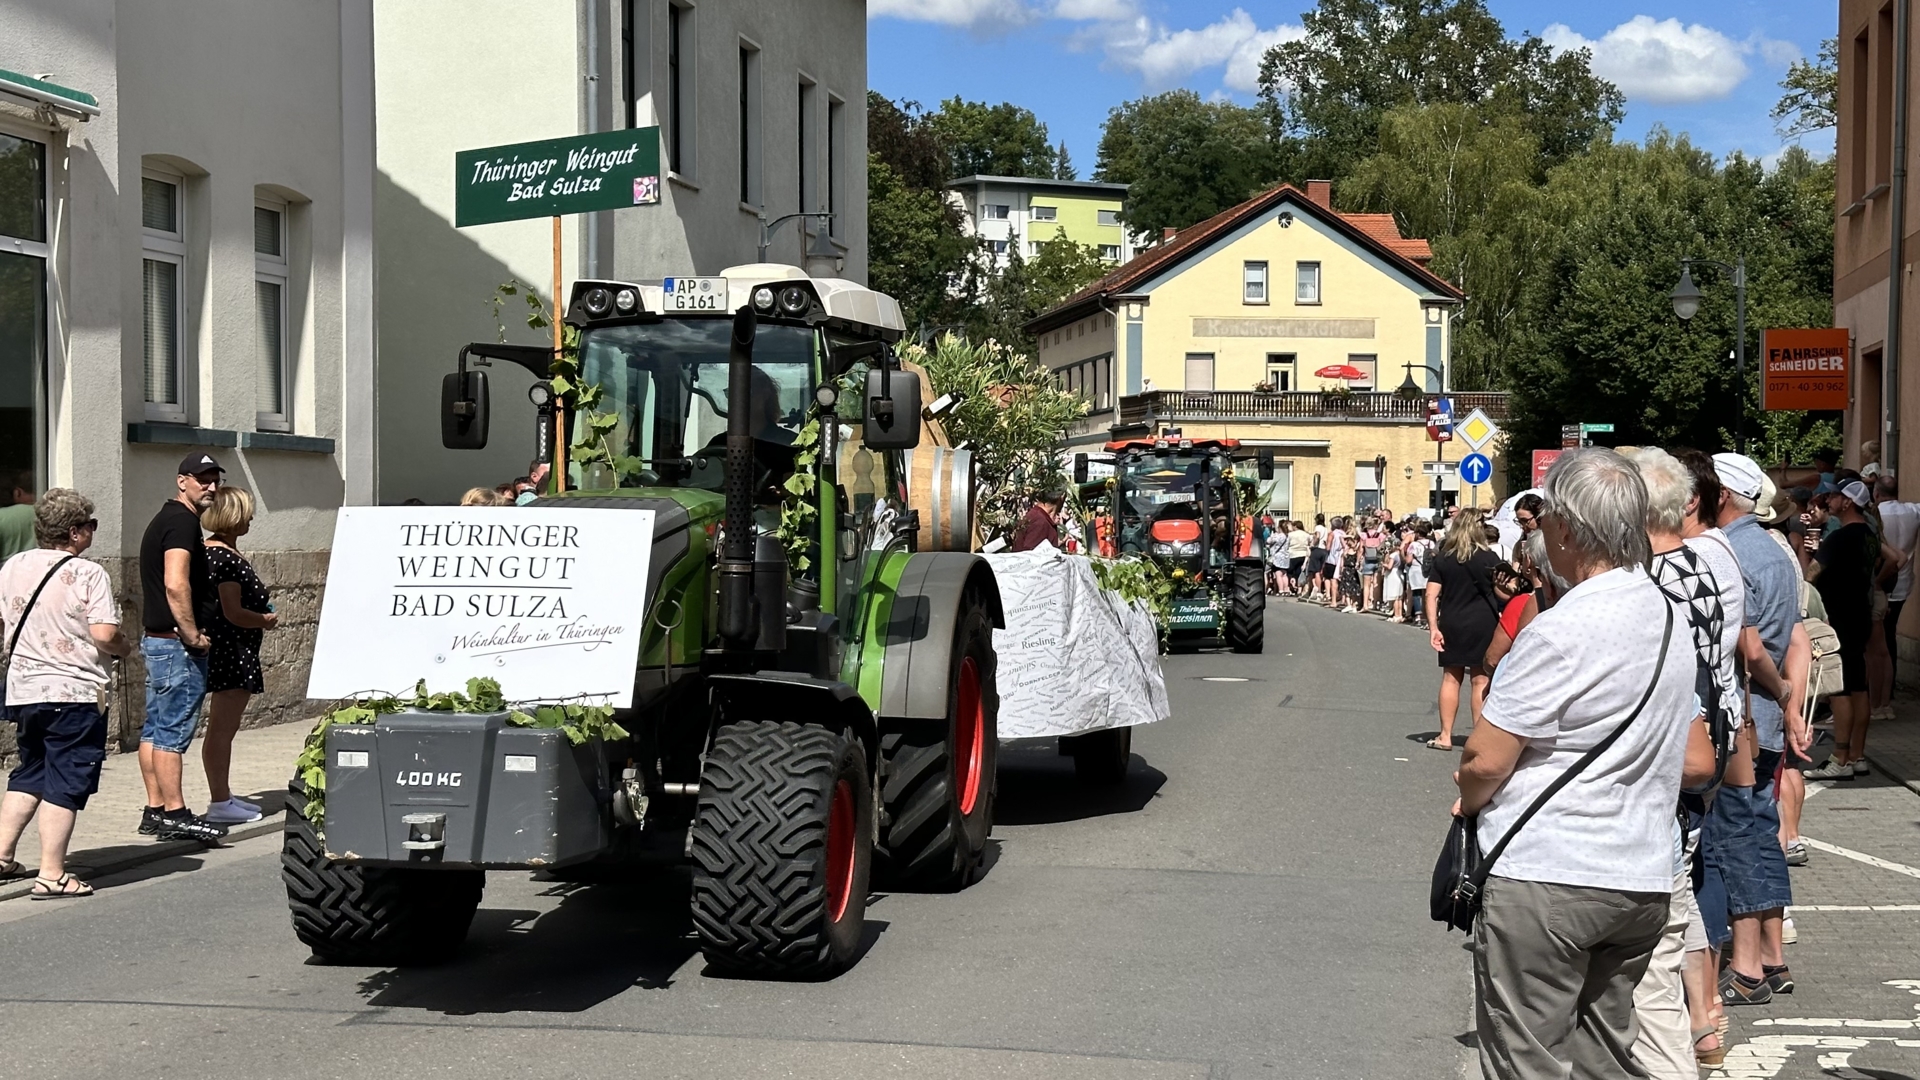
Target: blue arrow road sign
[(1476, 469)]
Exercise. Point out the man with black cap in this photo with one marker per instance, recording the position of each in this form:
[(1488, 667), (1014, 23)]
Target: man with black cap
[(177, 597)]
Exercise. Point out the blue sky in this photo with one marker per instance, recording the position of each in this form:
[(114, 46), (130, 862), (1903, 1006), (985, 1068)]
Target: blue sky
[(1711, 70)]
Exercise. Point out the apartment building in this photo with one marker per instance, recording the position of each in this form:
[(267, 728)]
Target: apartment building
[(1020, 213), (186, 263)]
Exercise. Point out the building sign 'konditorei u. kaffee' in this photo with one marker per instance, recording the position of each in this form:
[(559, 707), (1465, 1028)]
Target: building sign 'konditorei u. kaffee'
[(550, 601)]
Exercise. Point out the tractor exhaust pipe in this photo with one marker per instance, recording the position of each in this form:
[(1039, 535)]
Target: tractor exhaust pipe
[(737, 625)]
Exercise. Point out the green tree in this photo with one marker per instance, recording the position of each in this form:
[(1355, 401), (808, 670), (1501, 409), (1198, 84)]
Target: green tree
[(1026, 287), (1183, 158), (992, 140), (1811, 99), (918, 255), (1062, 164), (902, 135), (1326, 92)]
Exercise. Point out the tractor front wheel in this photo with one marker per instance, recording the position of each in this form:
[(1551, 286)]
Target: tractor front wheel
[(350, 914), (938, 779), (782, 846), (1247, 608)]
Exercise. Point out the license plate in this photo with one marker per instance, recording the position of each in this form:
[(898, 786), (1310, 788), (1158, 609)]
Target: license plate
[(695, 293)]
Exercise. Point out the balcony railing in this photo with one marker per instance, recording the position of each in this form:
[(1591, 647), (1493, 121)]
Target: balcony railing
[(1161, 405)]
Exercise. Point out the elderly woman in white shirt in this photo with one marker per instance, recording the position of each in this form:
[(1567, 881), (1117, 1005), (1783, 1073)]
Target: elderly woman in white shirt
[(1574, 907), (64, 639)]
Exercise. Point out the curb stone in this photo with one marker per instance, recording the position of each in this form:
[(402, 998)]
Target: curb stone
[(160, 850)]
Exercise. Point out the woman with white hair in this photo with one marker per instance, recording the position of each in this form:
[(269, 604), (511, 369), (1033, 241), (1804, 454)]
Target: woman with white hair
[(1590, 700)]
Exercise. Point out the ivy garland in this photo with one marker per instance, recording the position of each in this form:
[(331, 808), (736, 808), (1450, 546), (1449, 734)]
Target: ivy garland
[(577, 722)]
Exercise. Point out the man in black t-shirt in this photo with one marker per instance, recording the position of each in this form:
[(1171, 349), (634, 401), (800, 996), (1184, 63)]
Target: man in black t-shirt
[(177, 598), (1842, 572)]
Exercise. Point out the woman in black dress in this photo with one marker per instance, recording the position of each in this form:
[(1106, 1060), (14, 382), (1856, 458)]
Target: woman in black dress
[(1462, 613), (233, 662)]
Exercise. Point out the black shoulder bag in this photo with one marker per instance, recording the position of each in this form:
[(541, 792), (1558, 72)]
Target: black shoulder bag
[(1460, 874), (14, 640)]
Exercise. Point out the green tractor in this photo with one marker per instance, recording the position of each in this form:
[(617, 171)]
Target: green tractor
[(1179, 502), (815, 702)]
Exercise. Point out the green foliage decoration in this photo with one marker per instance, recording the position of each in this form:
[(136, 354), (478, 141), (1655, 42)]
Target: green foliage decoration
[(798, 508), (591, 429), (578, 722), (1135, 578)]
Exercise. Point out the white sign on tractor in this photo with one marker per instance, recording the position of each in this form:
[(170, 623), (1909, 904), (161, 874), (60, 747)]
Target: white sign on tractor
[(547, 600)]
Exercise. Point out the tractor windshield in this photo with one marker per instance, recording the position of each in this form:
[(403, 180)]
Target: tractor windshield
[(665, 385), (1156, 484)]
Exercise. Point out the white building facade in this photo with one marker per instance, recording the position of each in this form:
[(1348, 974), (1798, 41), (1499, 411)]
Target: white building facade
[(761, 110), (1020, 213), (186, 262)]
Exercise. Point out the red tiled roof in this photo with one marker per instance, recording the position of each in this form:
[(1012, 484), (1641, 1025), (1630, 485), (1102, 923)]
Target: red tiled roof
[(1375, 230)]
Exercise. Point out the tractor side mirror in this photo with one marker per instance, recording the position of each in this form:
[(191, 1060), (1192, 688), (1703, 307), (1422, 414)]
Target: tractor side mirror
[(1079, 468), (1264, 464), (464, 408), (893, 410)]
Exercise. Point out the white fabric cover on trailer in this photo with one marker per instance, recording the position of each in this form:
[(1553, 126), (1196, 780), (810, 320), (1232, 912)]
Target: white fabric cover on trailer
[(1073, 656)]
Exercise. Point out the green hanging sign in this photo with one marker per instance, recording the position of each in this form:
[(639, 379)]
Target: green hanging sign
[(578, 174)]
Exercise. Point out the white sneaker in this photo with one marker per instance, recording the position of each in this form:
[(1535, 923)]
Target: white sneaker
[(1788, 935), (1884, 712), (230, 812)]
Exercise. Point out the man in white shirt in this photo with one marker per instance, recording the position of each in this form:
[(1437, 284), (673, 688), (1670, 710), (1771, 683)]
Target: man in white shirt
[(1899, 527), (1579, 899)]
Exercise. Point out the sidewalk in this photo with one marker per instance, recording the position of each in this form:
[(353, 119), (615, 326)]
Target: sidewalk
[(106, 837)]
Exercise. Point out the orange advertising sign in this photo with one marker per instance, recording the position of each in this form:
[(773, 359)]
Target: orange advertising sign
[(1804, 369)]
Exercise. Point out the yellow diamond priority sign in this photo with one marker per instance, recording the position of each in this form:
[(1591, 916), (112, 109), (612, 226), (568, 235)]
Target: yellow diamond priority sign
[(1477, 430)]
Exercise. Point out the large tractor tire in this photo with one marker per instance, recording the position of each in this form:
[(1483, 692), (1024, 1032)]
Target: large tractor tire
[(938, 778), (385, 916), (1247, 608), (1100, 758), (782, 849)]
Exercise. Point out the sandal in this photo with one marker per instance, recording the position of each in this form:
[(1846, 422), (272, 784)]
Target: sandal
[(13, 870), (64, 887), (1441, 743), (1713, 1057)]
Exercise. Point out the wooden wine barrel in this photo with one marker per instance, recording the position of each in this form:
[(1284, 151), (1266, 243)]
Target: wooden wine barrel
[(940, 486)]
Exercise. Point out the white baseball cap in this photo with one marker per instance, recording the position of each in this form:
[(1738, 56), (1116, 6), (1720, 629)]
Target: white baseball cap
[(1857, 491), (1739, 474)]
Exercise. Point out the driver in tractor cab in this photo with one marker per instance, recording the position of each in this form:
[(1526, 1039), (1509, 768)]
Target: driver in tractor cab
[(773, 449)]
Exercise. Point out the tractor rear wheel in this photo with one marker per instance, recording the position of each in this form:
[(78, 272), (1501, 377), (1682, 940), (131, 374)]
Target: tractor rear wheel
[(1247, 608), (938, 778), (1100, 758), (782, 849), (351, 914)]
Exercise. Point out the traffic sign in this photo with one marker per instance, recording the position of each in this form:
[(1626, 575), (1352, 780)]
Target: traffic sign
[(1588, 429), (1476, 469), (1571, 437), (1478, 429)]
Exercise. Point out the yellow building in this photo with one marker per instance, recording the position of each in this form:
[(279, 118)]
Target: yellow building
[(1220, 331)]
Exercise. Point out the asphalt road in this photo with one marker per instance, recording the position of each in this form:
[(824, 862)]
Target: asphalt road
[(1251, 904)]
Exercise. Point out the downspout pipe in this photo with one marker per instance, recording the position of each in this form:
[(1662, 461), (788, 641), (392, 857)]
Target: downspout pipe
[(1896, 259)]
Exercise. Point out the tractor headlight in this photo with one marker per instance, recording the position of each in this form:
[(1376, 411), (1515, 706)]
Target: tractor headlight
[(763, 299), (626, 300), (1161, 547), (598, 302), (794, 300)]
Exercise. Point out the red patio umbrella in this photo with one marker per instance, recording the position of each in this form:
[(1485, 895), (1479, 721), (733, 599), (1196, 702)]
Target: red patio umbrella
[(1340, 371)]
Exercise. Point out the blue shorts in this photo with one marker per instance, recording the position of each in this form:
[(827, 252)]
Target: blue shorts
[(61, 747), (1741, 844), (176, 684)]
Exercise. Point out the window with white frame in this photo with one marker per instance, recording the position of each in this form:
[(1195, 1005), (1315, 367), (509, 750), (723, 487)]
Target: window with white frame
[(993, 211), (1281, 373), (999, 246), (273, 408), (1253, 283), (1110, 252), (162, 255), (1045, 213), (1306, 283), (1107, 217)]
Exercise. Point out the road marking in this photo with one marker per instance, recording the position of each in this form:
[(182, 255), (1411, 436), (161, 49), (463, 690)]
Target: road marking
[(1768, 1055), (1222, 678), (1860, 856), (1400, 759), (1797, 908)]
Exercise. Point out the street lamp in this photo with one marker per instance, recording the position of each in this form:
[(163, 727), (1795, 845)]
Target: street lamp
[(1408, 390), (820, 251), (1686, 298)]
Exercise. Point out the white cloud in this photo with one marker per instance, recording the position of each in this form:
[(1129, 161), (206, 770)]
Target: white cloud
[(976, 13), (1166, 57), (1664, 61), (1095, 10)]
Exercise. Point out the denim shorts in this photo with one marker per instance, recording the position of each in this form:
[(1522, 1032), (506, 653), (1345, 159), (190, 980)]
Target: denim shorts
[(1741, 843), (62, 746), (176, 684)]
